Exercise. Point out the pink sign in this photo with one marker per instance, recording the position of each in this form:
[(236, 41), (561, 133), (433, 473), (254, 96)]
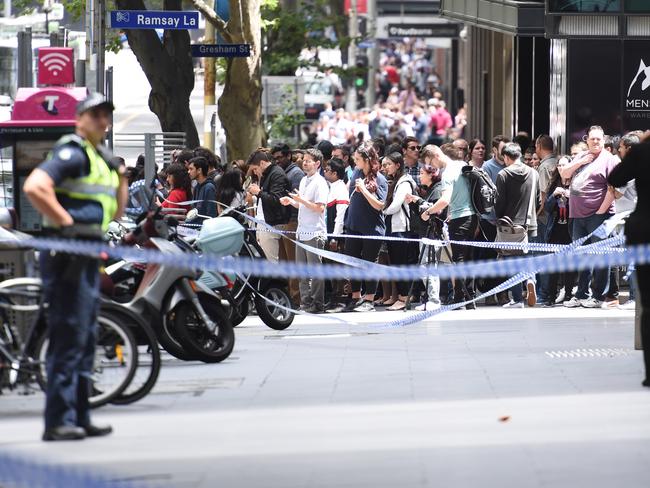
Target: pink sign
[(51, 106), (55, 66)]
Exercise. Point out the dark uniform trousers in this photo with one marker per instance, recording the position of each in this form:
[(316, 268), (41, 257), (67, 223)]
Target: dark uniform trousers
[(71, 288)]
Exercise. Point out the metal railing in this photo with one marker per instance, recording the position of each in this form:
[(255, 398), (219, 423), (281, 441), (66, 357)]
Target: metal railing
[(156, 146)]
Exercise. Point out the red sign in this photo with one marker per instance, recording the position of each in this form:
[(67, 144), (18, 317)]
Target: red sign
[(45, 106), (362, 7), (55, 66)]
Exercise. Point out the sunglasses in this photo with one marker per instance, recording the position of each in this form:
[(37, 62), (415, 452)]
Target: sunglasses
[(413, 148)]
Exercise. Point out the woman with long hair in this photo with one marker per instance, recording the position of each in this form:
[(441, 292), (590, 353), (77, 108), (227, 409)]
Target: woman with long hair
[(556, 207), (180, 187), (397, 215), (476, 153), (368, 189), (230, 192)]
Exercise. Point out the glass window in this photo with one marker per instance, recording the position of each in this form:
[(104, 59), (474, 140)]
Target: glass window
[(561, 6), (641, 6)]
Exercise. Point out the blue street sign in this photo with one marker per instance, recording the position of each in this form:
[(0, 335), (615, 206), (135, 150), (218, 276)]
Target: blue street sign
[(221, 50), (154, 19)]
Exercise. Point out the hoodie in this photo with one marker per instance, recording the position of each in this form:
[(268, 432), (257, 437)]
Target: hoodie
[(518, 195)]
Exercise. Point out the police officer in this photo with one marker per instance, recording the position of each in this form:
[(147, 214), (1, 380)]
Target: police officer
[(78, 190)]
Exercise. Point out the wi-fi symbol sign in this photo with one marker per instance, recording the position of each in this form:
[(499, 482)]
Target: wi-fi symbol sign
[(55, 63)]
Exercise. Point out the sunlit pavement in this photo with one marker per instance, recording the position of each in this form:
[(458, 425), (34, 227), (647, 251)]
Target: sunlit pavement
[(493, 397)]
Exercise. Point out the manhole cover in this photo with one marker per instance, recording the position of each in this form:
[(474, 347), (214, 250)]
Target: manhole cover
[(589, 353)]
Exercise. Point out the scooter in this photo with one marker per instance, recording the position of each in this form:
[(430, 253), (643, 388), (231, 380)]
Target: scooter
[(269, 295), (190, 320)]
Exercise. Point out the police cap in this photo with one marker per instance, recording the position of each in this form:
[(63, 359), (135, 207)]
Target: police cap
[(92, 101)]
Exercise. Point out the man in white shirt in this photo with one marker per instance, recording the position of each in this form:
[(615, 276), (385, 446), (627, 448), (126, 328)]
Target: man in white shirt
[(311, 201)]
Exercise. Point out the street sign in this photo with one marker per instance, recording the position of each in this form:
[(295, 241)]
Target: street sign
[(221, 50), (154, 19), (423, 30)]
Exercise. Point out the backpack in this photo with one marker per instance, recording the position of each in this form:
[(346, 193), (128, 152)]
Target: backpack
[(412, 212), (483, 191)]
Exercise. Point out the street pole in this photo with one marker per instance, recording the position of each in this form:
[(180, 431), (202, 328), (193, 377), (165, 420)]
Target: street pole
[(100, 42), (351, 100), (373, 52), (90, 43), (208, 87), (7, 10)]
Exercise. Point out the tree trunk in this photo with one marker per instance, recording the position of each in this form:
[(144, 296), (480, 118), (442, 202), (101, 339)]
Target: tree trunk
[(240, 105), (169, 69)]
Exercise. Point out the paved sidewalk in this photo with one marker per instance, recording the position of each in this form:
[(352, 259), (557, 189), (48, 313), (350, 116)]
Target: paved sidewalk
[(486, 398)]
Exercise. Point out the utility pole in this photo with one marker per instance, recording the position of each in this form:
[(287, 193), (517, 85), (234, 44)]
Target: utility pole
[(7, 10), (351, 99), (373, 52), (208, 88)]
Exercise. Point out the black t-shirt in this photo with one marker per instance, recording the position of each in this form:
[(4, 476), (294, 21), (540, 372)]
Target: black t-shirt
[(70, 161)]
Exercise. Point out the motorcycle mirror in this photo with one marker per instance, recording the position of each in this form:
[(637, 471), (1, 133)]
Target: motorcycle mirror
[(192, 214)]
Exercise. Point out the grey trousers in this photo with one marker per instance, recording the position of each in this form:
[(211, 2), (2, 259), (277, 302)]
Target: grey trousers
[(312, 292)]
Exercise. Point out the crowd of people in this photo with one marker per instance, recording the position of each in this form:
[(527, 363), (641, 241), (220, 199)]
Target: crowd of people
[(345, 199)]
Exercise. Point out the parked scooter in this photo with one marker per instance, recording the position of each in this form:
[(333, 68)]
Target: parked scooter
[(269, 296), (190, 320)]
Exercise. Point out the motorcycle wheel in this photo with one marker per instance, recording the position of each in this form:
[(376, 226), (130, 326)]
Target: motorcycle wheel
[(275, 317), (238, 315), (194, 335), (116, 361)]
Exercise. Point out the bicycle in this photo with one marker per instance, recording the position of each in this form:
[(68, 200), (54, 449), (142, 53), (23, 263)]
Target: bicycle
[(23, 360)]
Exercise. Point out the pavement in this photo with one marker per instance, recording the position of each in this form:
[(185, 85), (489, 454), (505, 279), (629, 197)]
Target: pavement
[(484, 398)]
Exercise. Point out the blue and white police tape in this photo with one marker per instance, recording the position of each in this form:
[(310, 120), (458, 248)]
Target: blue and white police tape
[(21, 473), (579, 258)]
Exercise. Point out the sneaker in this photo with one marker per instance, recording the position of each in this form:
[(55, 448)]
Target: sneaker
[(427, 306), (531, 297), (316, 309), (560, 296), (365, 306), (513, 304), (629, 305), (607, 304), (337, 309), (591, 303), (351, 305), (572, 303), (550, 304)]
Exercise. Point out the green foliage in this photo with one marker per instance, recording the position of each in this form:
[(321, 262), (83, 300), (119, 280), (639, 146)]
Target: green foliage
[(282, 126), (287, 32)]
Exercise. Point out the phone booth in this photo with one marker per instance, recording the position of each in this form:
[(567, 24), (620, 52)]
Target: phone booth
[(40, 117)]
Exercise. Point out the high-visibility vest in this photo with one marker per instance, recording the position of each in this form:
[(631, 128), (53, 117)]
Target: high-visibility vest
[(100, 185)]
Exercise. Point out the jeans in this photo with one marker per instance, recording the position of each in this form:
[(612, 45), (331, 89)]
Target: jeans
[(312, 291), (581, 227), (462, 229), (71, 288), (368, 250), (430, 256)]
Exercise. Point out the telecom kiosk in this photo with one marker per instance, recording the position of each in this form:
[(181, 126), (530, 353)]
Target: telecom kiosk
[(40, 117)]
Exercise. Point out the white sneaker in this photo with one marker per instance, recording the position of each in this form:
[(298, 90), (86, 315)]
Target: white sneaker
[(591, 303), (427, 306), (611, 304), (560, 296), (573, 303), (513, 304), (629, 305)]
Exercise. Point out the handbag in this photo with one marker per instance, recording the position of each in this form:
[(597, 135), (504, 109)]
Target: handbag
[(507, 231)]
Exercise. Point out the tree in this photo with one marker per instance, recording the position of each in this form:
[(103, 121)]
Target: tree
[(167, 64), (240, 105)]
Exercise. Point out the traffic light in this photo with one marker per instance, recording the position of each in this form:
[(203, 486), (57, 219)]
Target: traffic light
[(361, 72)]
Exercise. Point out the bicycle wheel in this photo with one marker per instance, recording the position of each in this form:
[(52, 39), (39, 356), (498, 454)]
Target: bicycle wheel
[(116, 361), (149, 361)]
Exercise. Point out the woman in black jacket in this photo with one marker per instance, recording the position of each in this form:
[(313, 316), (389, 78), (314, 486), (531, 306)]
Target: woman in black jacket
[(637, 231), (556, 207)]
